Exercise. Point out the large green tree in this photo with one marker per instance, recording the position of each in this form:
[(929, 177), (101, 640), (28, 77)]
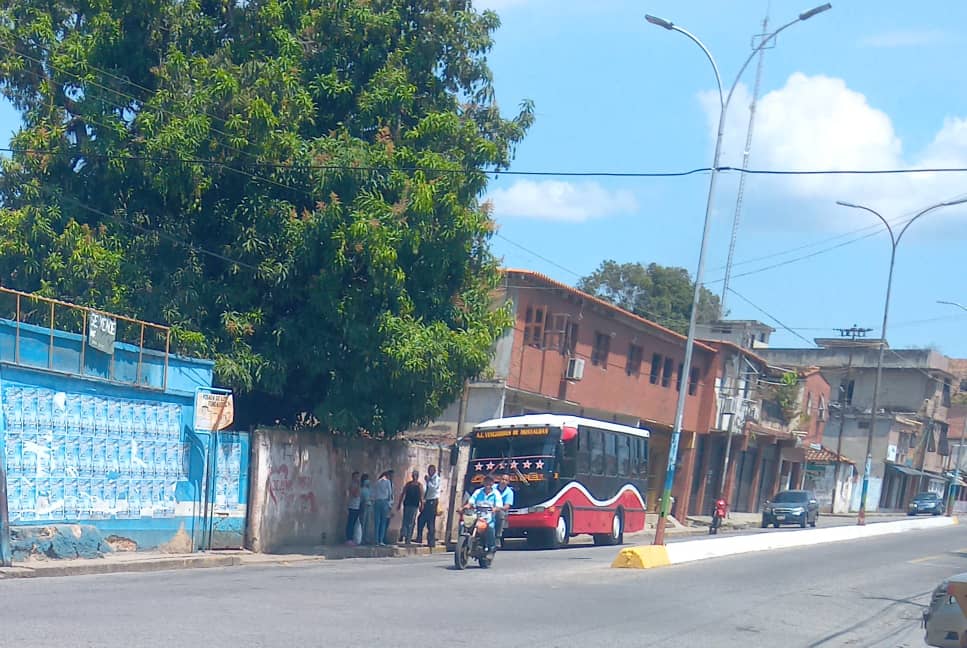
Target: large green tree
[(660, 293), (292, 184)]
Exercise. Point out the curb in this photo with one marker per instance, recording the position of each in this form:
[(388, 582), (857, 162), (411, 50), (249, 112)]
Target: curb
[(159, 564), (647, 557)]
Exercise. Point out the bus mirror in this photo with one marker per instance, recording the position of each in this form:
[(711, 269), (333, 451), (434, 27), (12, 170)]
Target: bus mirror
[(454, 454)]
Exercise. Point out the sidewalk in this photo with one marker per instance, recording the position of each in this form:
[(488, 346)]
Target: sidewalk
[(150, 561)]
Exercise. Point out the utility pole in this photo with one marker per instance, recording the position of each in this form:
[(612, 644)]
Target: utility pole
[(736, 401), (852, 333)]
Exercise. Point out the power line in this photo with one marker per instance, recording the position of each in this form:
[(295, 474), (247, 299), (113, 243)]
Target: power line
[(495, 172), (769, 315)]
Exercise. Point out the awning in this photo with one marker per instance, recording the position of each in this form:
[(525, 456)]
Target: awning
[(911, 471)]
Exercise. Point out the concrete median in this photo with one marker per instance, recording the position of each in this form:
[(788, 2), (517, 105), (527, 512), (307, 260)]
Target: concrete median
[(649, 556)]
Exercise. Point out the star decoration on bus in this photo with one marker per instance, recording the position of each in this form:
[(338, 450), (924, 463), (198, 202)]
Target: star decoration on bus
[(513, 465), (527, 464), (479, 467), (490, 466), (502, 465), (539, 464)]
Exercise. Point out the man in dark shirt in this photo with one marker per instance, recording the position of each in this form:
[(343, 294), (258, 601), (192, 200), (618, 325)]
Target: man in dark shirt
[(411, 501)]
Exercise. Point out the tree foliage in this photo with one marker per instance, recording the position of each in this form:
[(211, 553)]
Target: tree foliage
[(659, 293), (292, 184)]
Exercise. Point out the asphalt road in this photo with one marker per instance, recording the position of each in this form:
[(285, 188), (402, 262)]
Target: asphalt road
[(863, 593)]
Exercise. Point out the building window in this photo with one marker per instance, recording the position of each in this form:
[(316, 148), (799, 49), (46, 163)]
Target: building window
[(635, 354), (693, 381), (809, 404), (846, 392), (666, 372), (863, 425), (656, 361), (822, 408), (945, 399), (599, 353), (534, 326), (678, 380), (571, 343), (555, 336)]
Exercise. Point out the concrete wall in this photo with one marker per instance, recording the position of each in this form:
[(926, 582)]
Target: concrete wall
[(298, 483)]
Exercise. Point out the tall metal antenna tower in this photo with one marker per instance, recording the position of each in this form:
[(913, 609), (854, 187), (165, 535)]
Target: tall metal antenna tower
[(745, 165)]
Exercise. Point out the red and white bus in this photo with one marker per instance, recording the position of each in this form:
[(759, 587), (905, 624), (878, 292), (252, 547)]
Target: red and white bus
[(570, 476)]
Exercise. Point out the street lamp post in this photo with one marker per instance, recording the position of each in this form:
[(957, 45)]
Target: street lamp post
[(955, 487), (895, 241), (696, 296)]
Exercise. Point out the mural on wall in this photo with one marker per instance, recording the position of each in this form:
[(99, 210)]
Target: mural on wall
[(76, 457)]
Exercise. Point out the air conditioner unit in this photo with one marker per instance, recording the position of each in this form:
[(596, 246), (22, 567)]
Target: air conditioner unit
[(728, 406), (575, 369), (752, 413)]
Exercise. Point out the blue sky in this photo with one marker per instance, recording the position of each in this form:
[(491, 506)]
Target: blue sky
[(869, 84), (865, 85)]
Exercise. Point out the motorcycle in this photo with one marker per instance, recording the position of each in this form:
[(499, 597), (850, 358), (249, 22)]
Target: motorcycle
[(471, 543)]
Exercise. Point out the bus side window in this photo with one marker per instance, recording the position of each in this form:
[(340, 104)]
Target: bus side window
[(569, 459), (584, 451), (624, 469), (632, 457), (597, 452), (611, 453), (643, 457)]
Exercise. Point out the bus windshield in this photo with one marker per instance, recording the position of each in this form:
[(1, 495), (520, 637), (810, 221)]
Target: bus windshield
[(526, 455)]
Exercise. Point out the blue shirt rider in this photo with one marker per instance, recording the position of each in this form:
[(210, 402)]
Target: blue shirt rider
[(490, 501), (504, 489)]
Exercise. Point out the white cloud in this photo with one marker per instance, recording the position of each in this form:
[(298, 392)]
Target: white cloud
[(905, 38), (818, 122), (560, 201)]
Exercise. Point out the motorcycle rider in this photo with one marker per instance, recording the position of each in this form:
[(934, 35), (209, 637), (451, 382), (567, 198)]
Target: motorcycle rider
[(487, 497)]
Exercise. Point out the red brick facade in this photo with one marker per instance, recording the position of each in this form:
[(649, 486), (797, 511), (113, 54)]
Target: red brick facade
[(632, 368)]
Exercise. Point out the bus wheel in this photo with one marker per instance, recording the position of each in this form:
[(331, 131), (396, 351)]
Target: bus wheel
[(560, 535), (617, 535)]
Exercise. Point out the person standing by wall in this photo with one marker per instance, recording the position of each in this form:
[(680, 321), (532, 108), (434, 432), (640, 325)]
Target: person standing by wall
[(411, 502), (431, 501), (353, 501), (383, 505), (365, 508)]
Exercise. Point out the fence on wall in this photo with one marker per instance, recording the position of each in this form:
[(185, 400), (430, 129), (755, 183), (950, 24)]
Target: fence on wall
[(112, 347)]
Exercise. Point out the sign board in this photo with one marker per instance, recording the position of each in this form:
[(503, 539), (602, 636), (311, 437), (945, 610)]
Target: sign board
[(101, 332), (515, 432), (213, 411), (891, 452)]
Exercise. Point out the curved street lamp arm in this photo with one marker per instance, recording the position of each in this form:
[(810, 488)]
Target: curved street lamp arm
[(949, 203), (708, 54), (762, 44), (894, 239), (952, 303)]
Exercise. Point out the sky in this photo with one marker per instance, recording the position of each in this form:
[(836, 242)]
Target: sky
[(866, 85), (870, 84)]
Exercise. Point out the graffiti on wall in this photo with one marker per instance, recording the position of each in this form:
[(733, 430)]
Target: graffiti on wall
[(84, 457), (286, 487)]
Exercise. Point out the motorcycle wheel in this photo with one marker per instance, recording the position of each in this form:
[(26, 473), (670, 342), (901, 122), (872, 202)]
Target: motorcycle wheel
[(461, 555)]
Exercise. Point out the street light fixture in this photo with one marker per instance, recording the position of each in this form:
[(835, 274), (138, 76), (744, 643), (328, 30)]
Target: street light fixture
[(699, 273), (895, 241), (952, 303)]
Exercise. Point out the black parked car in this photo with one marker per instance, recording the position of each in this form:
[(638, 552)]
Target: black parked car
[(926, 503), (791, 507)]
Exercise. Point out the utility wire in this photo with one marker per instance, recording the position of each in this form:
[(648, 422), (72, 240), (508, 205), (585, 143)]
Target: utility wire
[(770, 316)]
